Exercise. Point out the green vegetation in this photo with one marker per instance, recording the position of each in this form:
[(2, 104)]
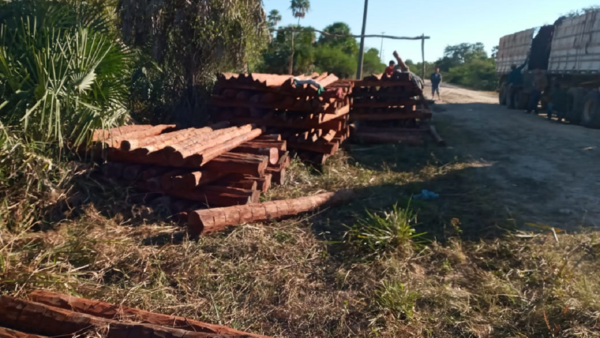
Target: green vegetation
[(61, 75), (68, 66), (469, 65)]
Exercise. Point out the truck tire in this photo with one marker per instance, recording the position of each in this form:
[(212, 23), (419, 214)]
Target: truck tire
[(591, 110), (502, 95), (575, 104)]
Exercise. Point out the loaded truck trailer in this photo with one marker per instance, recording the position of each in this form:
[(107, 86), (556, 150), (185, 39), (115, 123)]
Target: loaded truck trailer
[(569, 52)]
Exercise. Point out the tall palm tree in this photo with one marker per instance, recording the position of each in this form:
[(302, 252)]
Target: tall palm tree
[(274, 17), (272, 20), (299, 9)]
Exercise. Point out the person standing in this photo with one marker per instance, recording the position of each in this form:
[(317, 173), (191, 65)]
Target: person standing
[(515, 81), (389, 70), (539, 85), (436, 81), (558, 98)]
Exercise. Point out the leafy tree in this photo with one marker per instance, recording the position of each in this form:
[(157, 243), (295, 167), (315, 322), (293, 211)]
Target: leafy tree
[(61, 74), (335, 61), (191, 41), (299, 9), (372, 62), (468, 65), (346, 44)]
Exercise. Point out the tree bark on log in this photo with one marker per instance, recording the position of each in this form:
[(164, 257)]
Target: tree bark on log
[(8, 333), (271, 153), (116, 312), (42, 319), (233, 163), (217, 219)]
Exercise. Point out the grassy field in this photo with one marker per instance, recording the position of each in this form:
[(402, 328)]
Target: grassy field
[(385, 265)]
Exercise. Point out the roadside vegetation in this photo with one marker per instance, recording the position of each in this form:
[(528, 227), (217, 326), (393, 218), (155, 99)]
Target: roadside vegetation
[(386, 265)]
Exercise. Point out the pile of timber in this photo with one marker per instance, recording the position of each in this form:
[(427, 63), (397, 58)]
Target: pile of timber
[(311, 118), (390, 109), (49, 314), (215, 166)]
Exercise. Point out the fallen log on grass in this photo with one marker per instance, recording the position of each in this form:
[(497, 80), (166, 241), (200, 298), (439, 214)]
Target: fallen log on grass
[(217, 219), (46, 320), (116, 312)]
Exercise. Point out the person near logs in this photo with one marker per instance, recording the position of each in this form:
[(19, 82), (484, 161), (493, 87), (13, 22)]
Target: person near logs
[(403, 68)]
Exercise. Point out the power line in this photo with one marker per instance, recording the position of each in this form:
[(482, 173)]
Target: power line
[(357, 36)]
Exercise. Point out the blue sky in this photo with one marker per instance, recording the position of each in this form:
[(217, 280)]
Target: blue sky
[(448, 22)]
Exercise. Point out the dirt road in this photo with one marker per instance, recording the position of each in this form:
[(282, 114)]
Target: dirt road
[(542, 172)]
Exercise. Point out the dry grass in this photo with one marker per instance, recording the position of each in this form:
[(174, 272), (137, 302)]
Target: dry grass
[(298, 278)]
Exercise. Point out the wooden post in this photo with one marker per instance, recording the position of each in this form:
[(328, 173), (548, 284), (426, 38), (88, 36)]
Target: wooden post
[(362, 43), (423, 56)]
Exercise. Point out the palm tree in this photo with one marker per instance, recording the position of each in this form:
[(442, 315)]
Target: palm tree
[(272, 20), (299, 9)]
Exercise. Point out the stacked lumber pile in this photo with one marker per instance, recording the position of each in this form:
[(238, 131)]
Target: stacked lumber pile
[(311, 118), (390, 109), (214, 166), (49, 314)]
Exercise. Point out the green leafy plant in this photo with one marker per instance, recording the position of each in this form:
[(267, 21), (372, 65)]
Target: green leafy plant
[(394, 297), (390, 231), (61, 75)]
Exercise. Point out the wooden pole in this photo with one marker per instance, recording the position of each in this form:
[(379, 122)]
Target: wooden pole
[(423, 56), (362, 43)]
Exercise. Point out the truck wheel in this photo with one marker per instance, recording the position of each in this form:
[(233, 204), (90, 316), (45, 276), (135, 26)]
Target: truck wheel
[(575, 103), (591, 110), (502, 95)]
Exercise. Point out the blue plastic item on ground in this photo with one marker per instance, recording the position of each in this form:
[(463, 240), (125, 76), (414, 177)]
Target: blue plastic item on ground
[(427, 195)]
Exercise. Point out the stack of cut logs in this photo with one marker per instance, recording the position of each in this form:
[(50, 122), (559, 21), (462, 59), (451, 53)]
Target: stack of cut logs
[(390, 109), (49, 314), (310, 112), (214, 166)]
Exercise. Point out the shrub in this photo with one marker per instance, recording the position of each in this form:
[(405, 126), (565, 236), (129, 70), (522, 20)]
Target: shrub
[(391, 231), (61, 75)]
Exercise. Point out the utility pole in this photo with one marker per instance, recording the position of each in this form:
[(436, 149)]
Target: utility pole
[(381, 49), (362, 43)]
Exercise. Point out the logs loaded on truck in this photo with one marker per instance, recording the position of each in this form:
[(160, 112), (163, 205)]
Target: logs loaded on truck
[(569, 53)]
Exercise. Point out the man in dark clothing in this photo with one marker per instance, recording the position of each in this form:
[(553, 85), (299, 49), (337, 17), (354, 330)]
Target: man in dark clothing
[(514, 81), (436, 80), (391, 68)]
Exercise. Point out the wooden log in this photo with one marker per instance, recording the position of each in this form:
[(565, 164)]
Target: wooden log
[(232, 163), (324, 148), (199, 160), (42, 319), (176, 154), (208, 198), (290, 124), (240, 184), (269, 137), (281, 145), (328, 137), (271, 153), (160, 141), (423, 115), (278, 175), (380, 137), (115, 141), (155, 183), (117, 312), (190, 181), (8, 333), (113, 170), (103, 134), (438, 139), (132, 172), (211, 220)]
